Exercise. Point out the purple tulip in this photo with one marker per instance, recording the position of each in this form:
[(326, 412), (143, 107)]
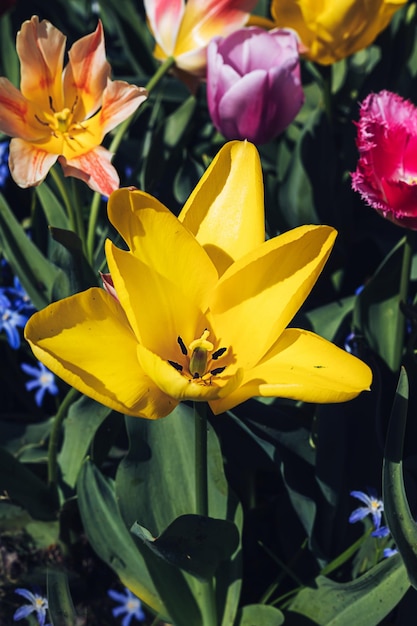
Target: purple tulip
[(253, 83)]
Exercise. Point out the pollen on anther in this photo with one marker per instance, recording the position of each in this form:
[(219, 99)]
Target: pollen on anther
[(217, 370)]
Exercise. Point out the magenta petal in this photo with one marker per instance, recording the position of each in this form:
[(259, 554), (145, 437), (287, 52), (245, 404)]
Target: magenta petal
[(386, 173)]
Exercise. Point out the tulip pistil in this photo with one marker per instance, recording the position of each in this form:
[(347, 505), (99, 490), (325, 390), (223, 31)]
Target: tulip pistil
[(198, 364)]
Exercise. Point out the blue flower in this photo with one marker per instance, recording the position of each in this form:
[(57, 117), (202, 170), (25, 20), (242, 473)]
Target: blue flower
[(129, 604), (10, 320), (389, 552), (4, 167), (19, 297), (43, 381), (38, 604), (374, 507)]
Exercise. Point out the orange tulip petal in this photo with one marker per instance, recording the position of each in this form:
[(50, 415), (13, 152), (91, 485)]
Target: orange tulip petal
[(86, 74), (41, 47), (120, 100), (17, 115), (28, 164), (94, 168)]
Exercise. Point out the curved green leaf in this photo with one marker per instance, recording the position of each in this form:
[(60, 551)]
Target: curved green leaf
[(259, 615), (109, 536), (159, 470), (61, 607), (39, 277), (399, 519), (362, 602), (193, 543)]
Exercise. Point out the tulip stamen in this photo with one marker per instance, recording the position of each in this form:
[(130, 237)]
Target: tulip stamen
[(218, 353), (199, 356), (175, 365), (182, 346)]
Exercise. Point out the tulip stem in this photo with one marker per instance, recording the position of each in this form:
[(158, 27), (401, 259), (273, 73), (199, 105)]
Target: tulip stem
[(403, 295), (201, 479), (54, 437), (202, 500), (64, 195), (118, 136)]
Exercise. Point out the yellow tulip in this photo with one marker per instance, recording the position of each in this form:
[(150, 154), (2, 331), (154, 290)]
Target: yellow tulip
[(331, 30), (200, 305)]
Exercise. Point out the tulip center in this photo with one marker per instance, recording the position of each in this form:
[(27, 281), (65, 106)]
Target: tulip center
[(199, 359), (61, 123)]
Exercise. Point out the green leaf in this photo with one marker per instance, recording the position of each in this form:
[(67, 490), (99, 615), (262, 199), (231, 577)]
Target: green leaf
[(259, 615), (194, 543), (8, 54), (178, 123), (377, 313), (60, 605), (74, 264), (38, 276), (159, 470), (326, 320), (399, 518), (109, 536), (25, 487), (54, 211), (85, 416), (364, 601)]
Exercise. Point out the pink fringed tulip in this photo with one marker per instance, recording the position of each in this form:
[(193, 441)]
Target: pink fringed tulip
[(253, 83), (63, 114), (183, 29), (386, 174)]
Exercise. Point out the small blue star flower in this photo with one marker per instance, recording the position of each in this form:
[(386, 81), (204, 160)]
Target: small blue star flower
[(389, 552), (129, 604), (38, 604), (43, 381), (10, 321), (19, 297), (4, 167), (374, 507)]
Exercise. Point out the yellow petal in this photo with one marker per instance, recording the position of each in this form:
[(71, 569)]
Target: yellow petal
[(160, 307), (302, 366), (334, 30), (41, 47), (86, 341), (171, 257), (179, 387), (258, 296), (225, 211)]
